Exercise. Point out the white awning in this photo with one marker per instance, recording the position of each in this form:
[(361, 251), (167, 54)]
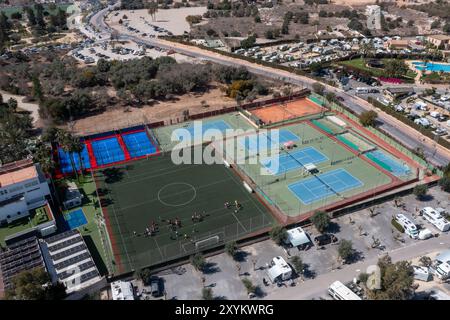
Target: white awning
[(297, 237)]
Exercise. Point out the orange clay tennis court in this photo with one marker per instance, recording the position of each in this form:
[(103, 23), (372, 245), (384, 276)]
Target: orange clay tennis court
[(290, 110)]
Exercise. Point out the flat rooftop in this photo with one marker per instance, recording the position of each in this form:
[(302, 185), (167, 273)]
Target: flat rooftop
[(17, 172)]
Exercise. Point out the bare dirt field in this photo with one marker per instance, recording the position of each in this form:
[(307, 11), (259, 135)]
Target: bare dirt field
[(121, 117), (173, 20)]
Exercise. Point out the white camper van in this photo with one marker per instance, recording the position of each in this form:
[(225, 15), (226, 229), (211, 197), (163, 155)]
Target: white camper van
[(433, 217), (340, 291), (409, 227)]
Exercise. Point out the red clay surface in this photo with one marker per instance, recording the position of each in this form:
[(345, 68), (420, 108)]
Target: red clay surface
[(290, 110)]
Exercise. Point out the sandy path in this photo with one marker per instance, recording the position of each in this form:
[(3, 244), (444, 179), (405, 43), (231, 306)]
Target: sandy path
[(32, 107)]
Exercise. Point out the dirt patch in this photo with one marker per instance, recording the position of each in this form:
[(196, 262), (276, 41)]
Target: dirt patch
[(121, 117)]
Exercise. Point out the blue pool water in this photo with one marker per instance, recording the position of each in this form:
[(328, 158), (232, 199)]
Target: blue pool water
[(432, 66), (75, 219)]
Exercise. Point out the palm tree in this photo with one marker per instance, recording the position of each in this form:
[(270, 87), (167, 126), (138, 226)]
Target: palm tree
[(65, 139), (77, 146), (43, 156), (152, 9)]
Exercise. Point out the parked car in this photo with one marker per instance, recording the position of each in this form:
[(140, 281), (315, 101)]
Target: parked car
[(325, 239), (156, 287)]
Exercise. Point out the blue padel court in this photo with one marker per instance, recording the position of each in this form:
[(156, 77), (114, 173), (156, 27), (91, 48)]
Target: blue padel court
[(75, 219), (387, 162), (195, 131), (294, 160), (65, 162), (324, 185), (138, 144), (107, 151), (256, 143)]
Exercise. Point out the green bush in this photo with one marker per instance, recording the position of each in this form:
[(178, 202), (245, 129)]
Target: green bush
[(397, 226)]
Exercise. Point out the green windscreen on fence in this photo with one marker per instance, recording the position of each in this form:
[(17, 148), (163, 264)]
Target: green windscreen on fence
[(349, 143), (379, 162)]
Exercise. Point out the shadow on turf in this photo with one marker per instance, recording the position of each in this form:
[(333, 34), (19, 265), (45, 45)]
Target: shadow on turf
[(113, 175)]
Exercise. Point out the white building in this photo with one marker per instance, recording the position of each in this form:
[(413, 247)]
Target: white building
[(73, 197), (122, 290), (23, 187)]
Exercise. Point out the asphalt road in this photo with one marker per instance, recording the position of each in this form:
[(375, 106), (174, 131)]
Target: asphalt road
[(435, 153)]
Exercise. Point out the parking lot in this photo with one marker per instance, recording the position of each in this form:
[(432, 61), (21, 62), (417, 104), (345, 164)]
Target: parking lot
[(369, 229), (165, 22), (89, 52)]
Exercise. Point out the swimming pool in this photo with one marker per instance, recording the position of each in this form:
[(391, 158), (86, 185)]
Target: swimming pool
[(431, 66)]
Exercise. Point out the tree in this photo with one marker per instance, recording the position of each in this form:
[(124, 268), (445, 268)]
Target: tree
[(320, 220), (66, 141), (35, 284), (397, 280), (207, 294), (298, 265), (278, 234), (249, 42), (345, 250), (36, 90), (444, 182), (425, 261), (395, 68), (145, 275), (354, 24), (318, 88), (368, 118), (420, 190), (248, 284), (231, 248), (198, 262)]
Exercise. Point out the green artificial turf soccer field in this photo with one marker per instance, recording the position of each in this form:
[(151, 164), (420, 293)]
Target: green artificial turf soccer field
[(157, 190)]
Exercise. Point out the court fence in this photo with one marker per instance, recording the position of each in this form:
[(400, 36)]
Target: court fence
[(384, 136)]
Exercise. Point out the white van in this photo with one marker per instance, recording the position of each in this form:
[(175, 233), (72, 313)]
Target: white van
[(361, 90), (433, 217), (409, 227)]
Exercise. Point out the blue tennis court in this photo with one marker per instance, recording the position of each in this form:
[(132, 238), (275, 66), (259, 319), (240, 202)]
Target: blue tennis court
[(138, 144), (75, 219), (262, 141), (66, 164), (220, 125), (294, 160), (107, 151), (387, 162), (324, 185)]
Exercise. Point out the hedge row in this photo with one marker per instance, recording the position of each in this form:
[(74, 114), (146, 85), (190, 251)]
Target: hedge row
[(425, 131), (397, 226)]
